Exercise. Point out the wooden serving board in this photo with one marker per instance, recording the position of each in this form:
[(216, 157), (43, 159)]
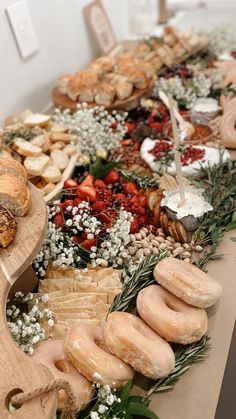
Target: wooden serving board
[(19, 372), (64, 102)]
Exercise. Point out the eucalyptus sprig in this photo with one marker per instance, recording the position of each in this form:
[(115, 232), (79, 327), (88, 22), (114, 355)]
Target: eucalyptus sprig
[(142, 180), (141, 278), (185, 356)]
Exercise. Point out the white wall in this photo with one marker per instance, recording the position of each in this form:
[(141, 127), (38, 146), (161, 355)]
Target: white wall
[(65, 46)]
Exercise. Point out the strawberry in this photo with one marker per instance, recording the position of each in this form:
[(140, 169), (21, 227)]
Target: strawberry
[(59, 220), (87, 244), (77, 201), (70, 183), (157, 125), (99, 206), (105, 218), (130, 188), (112, 177), (130, 127), (98, 183), (86, 189), (76, 239), (68, 202)]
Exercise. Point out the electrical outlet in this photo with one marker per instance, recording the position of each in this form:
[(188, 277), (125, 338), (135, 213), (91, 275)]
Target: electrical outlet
[(23, 28)]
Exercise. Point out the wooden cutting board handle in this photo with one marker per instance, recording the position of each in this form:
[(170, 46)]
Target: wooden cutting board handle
[(18, 372)]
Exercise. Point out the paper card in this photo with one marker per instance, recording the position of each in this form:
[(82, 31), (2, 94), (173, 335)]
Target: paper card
[(100, 25)]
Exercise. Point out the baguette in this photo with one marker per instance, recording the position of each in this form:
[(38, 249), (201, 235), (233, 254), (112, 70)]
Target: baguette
[(25, 148), (51, 174), (36, 165), (59, 158)]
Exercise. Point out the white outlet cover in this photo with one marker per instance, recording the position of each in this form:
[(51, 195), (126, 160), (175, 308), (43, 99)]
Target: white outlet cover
[(23, 28)]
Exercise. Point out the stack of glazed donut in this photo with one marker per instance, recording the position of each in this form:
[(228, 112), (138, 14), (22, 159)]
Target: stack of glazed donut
[(173, 311)]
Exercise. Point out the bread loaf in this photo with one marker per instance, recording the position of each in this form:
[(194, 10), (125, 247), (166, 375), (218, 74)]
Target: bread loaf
[(12, 167), (7, 227), (14, 195)]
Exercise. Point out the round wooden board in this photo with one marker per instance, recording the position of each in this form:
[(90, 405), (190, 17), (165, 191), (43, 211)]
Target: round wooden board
[(64, 102), (30, 234)]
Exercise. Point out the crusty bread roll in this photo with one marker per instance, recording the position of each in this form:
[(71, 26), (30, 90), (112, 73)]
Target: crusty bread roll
[(7, 227), (187, 282), (12, 167), (14, 195), (25, 148)]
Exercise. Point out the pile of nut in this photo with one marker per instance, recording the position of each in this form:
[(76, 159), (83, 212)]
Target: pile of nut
[(146, 243)]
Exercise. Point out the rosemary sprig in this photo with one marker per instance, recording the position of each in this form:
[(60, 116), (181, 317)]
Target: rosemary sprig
[(219, 183), (185, 356), (210, 254), (142, 180), (141, 278)]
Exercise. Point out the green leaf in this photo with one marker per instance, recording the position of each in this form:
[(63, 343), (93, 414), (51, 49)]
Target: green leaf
[(138, 409), (233, 239), (99, 169), (231, 226), (138, 399), (124, 395)]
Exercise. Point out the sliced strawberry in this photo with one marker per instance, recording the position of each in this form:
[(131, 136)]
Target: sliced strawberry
[(77, 201), (98, 183), (130, 188), (130, 126), (112, 177), (104, 217), (59, 220), (70, 183), (69, 203), (99, 206), (87, 244), (86, 189), (76, 239)]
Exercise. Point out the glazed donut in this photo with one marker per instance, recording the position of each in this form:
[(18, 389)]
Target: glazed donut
[(228, 123), (171, 317), (51, 354), (132, 340), (85, 348), (187, 282)]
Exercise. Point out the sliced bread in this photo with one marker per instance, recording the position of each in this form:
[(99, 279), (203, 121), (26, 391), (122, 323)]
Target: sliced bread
[(25, 148), (7, 227), (51, 174), (37, 119), (39, 140), (36, 165), (60, 158)]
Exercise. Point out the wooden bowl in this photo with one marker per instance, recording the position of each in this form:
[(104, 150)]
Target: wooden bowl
[(207, 137)]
